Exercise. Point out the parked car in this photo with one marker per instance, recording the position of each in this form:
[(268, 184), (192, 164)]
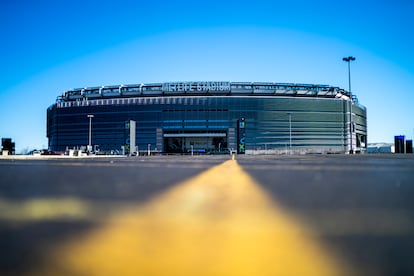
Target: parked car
[(35, 153)]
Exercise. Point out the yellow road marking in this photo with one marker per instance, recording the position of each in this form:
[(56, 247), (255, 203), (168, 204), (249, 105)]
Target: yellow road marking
[(43, 209), (217, 223)]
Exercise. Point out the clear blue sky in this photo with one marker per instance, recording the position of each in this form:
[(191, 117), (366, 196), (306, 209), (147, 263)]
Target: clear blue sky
[(48, 47)]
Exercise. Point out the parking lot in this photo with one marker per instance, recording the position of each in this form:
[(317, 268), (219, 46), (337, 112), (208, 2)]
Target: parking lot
[(358, 209)]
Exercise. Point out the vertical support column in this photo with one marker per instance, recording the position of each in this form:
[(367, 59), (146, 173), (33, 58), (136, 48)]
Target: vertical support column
[(130, 137), (241, 136), (345, 127), (159, 140), (89, 148), (231, 139)]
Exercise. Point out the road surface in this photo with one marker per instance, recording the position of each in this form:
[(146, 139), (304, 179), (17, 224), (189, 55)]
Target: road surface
[(208, 215)]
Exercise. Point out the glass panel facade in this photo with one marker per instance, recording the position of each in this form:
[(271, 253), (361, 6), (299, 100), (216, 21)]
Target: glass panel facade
[(315, 125)]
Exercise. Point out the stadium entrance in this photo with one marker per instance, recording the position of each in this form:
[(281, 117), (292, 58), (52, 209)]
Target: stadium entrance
[(201, 142)]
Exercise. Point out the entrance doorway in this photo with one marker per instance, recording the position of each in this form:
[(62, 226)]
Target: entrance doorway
[(197, 142)]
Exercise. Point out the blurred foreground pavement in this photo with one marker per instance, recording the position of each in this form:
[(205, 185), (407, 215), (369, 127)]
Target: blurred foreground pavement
[(259, 215)]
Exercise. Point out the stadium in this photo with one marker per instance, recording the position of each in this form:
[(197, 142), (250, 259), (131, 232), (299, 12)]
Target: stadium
[(208, 117)]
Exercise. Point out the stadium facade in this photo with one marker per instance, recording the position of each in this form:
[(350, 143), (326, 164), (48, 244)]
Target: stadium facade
[(209, 117)]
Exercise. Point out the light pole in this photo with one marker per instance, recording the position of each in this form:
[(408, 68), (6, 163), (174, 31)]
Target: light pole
[(290, 133), (90, 132), (349, 59)]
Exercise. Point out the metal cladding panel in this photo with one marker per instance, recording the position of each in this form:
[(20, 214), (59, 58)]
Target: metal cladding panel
[(317, 124)]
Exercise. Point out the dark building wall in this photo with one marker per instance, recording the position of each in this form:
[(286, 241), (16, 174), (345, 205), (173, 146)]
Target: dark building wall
[(317, 124), (409, 146), (399, 143), (8, 145)]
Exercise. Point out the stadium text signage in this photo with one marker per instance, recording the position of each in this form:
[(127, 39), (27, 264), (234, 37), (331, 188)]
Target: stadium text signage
[(203, 86)]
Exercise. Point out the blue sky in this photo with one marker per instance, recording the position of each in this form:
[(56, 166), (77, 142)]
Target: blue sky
[(51, 46)]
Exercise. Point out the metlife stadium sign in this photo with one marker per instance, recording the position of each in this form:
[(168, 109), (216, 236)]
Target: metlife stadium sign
[(202, 86)]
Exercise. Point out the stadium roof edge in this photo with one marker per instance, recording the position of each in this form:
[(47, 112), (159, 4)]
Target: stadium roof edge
[(189, 88)]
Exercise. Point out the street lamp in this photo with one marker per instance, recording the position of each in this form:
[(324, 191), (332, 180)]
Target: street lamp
[(90, 131), (349, 59), (290, 133)]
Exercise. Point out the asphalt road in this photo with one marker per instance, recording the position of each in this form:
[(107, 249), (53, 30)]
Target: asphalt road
[(360, 207)]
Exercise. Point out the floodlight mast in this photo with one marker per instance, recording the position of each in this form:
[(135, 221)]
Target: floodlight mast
[(348, 60)]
